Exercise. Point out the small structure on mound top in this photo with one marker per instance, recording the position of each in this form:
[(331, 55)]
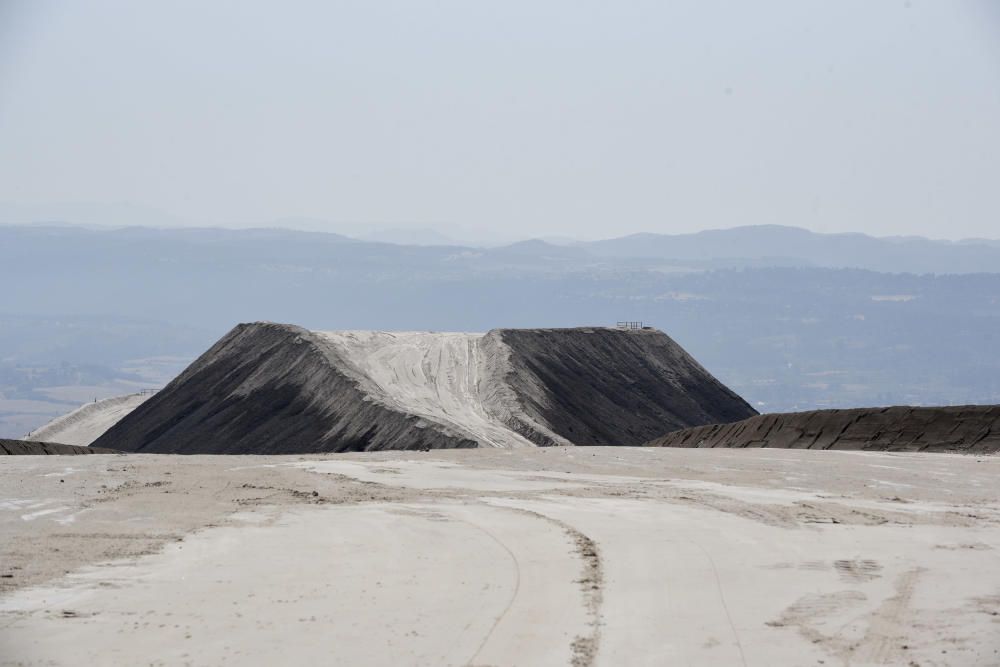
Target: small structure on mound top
[(630, 326)]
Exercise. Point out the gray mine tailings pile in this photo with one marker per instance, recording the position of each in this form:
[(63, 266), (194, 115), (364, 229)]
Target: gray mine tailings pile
[(278, 389), (971, 428)]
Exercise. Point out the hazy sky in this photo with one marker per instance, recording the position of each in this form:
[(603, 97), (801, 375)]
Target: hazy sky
[(590, 119)]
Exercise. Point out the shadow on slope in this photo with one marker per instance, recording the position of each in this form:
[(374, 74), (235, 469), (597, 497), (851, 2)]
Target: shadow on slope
[(602, 386)]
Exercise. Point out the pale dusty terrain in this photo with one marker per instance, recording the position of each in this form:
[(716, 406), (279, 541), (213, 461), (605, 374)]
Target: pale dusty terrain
[(550, 556), (434, 375), (89, 421)]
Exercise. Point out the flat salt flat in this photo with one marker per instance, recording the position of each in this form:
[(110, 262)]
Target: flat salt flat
[(434, 375), (442, 475), (568, 556)]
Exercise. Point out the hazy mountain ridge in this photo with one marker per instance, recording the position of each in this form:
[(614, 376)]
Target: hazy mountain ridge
[(757, 245), (889, 254)]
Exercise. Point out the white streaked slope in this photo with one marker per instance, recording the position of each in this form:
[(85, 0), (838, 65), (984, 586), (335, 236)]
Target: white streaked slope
[(437, 376), (88, 422)]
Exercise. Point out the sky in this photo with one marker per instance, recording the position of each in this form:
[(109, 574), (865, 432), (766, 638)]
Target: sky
[(505, 119)]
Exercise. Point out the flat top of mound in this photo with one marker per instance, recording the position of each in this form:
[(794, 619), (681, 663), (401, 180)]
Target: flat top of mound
[(89, 421)]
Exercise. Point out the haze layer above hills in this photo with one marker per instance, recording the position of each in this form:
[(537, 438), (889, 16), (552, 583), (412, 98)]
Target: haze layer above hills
[(96, 313)]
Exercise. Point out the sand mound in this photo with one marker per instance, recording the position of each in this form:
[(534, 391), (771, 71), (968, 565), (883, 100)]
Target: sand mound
[(969, 428), (278, 389), (436, 376), (88, 422), (32, 447)]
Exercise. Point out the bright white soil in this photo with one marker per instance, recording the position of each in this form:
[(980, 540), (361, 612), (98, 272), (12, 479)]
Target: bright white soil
[(437, 376), (474, 557), (88, 422), (374, 597)]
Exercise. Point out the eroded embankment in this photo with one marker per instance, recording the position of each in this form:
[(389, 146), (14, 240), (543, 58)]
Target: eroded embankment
[(969, 428), (35, 448)]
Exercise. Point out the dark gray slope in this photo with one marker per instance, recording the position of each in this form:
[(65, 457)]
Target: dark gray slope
[(34, 447), (969, 428), (600, 386), (269, 389)]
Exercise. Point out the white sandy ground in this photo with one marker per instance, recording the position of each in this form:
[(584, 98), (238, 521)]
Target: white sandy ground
[(89, 421), (587, 556), (434, 375)]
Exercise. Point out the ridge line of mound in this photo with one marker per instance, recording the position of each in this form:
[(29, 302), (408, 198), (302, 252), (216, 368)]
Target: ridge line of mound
[(503, 402), (973, 429)]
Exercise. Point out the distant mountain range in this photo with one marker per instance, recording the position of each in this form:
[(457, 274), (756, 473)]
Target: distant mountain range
[(806, 248), (746, 246)]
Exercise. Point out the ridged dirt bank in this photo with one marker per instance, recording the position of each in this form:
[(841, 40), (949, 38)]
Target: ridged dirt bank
[(269, 388), (34, 448), (970, 428)]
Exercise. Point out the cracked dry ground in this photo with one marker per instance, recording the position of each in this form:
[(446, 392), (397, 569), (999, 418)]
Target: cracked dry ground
[(568, 556)]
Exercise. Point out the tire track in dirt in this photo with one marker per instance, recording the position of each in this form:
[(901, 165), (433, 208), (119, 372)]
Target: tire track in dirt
[(513, 596), (885, 627), (591, 583), (884, 630), (722, 599)]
